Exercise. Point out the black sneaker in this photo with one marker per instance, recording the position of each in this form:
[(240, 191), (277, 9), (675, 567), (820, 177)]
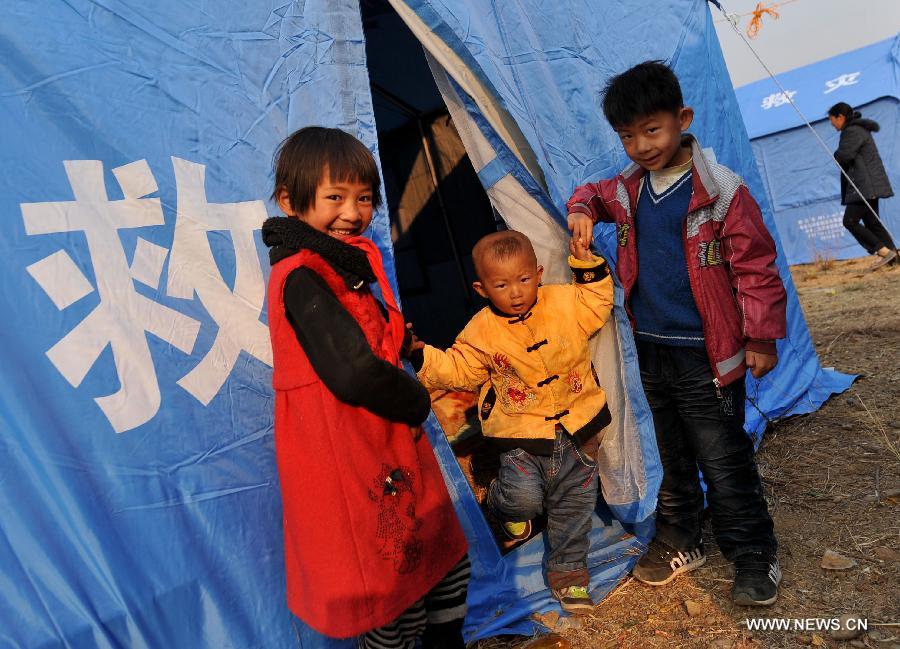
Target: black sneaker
[(756, 579), (661, 564)]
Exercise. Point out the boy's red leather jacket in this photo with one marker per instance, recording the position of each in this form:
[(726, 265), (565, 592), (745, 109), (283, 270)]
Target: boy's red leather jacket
[(731, 258)]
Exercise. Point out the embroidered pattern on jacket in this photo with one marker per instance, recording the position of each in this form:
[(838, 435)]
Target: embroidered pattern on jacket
[(623, 234), (514, 392), (726, 401), (393, 492), (710, 253), (575, 384)]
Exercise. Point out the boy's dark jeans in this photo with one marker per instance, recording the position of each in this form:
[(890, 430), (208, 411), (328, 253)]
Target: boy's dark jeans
[(564, 485), (697, 425)]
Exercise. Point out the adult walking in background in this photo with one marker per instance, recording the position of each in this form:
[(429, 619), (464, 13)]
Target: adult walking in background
[(858, 156)]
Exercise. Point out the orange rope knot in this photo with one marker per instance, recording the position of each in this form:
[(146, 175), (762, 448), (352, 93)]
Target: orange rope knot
[(756, 22)]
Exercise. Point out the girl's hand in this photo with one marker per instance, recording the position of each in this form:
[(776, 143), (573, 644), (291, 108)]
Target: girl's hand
[(411, 343), (582, 227)]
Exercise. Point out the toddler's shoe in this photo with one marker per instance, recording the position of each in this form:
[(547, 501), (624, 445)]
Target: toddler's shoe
[(661, 564), (574, 599), (756, 579), (516, 531)]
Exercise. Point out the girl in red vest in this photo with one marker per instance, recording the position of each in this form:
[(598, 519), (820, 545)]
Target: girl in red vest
[(373, 549)]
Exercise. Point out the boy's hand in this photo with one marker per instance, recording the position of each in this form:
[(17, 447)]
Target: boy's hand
[(582, 227), (579, 250), (760, 364), (411, 343)]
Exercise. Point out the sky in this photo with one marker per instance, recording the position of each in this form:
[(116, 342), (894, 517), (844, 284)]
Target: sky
[(807, 31)]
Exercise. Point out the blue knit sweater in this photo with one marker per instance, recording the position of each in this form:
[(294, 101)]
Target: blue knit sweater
[(662, 302)]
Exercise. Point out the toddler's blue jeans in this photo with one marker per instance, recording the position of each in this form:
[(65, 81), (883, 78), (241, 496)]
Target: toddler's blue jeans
[(564, 485)]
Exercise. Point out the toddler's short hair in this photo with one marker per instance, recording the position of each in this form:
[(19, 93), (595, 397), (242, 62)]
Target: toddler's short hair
[(647, 88), (304, 158), (501, 246)]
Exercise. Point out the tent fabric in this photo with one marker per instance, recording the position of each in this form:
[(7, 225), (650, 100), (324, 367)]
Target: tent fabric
[(139, 490), (856, 77), (800, 178), (137, 142)]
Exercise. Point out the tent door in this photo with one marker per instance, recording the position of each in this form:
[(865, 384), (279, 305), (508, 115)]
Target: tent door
[(438, 208)]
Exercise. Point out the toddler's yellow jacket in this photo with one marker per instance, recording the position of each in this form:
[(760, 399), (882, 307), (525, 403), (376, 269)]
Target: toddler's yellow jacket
[(534, 370)]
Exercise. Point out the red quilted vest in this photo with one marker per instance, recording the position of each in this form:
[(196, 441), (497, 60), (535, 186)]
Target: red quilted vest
[(369, 527)]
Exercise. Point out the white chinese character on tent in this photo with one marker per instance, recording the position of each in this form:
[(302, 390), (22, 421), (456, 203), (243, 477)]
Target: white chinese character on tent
[(778, 99), (843, 80), (192, 269), (123, 316)]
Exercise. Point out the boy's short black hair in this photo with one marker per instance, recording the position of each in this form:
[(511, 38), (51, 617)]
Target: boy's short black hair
[(647, 88), (304, 158)]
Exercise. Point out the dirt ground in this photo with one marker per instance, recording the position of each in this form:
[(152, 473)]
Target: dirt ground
[(832, 481)]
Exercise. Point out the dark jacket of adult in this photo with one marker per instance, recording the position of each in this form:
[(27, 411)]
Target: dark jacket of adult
[(857, 154)]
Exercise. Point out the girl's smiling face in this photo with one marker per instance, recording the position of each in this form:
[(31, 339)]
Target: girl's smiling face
[(340, 209)]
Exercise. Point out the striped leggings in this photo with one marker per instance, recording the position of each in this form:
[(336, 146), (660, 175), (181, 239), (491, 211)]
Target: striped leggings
[(437, 618)]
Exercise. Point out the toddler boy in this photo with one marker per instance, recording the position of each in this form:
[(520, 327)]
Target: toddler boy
[(540, 400)]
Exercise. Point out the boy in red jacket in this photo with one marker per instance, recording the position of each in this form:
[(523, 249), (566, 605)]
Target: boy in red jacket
[(707, 305), (372, 542)]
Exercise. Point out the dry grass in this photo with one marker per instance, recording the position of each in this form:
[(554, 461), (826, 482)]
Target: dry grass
[(824, 261)]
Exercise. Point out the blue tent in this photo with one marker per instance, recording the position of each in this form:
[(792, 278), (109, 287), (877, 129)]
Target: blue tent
[(137, 480), (799, 177)]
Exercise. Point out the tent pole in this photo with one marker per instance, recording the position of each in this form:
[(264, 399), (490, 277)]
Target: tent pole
[(435, 181)]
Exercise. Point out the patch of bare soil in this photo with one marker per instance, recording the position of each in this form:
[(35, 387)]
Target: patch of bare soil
[(832, 481)]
